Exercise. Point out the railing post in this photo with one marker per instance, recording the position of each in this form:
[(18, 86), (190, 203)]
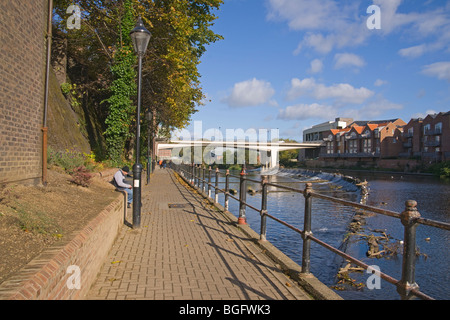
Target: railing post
[(203, 178), (209, 182), (242, 198), (197, 175), (408, 219), (227, 187), (263, 208), (306, 262), (216, 186)]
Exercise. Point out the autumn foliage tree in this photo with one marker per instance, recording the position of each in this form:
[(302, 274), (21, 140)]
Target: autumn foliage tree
[(99, 60)]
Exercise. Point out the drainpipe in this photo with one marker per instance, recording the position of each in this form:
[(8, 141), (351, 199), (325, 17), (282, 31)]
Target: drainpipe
[(47, 73)]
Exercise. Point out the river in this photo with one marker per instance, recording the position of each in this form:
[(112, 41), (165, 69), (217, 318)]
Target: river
[(331, 223)]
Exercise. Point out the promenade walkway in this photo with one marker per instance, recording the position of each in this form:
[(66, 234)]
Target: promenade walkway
[(189, 252)]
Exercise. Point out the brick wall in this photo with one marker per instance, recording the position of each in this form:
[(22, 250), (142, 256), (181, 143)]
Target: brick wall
[(48, 276), (22, 77)]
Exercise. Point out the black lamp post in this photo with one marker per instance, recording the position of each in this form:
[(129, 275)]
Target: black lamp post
[(140, 37)]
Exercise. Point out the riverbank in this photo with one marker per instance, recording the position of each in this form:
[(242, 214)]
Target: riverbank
[(388, 166)]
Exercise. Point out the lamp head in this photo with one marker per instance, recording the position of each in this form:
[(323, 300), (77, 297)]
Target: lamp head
[(140, 37)]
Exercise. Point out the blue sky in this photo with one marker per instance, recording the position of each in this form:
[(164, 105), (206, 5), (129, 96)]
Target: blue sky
[(291, 64)]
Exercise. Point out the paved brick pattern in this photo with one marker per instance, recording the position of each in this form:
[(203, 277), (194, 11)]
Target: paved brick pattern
[(190, 252)]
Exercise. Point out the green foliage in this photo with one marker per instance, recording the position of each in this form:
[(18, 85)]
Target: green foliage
[(36, 221), (72, 93), (67, 159), (66, 87), (441, 169), (286, 156), (103, 63), (180, 33), (445, 172), (123, 89)]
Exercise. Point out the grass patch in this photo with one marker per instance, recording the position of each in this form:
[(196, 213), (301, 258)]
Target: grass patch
[(37, 222)]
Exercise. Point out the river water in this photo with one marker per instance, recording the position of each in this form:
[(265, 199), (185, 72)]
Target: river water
[(331, 223)]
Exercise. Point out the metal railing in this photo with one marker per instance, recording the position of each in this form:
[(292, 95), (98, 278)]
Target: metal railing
[(200, 178)]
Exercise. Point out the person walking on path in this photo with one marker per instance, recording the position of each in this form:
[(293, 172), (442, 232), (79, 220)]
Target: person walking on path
[(119, 178)]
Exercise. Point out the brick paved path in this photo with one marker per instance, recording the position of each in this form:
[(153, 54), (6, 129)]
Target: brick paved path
[(187, 253)]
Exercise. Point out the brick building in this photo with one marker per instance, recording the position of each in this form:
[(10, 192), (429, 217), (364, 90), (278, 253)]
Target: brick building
[(364, 140), (426, 140), (23, 26), (412, 144), (429, 138)]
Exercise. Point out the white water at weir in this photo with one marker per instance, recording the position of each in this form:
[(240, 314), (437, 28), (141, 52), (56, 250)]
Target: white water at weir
[(347, 182)]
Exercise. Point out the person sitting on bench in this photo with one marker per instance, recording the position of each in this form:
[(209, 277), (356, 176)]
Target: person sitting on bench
[(121, 185)]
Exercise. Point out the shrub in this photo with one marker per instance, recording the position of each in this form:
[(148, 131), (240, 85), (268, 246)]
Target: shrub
[(444, 172), (81, 176), (441, 169), (68, 159)]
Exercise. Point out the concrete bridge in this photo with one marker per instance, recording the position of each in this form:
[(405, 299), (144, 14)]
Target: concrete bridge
[(271, 149)]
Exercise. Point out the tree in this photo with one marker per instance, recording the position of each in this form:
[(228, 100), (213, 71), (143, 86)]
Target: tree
[(287, 155), (99, 61), (180, 34)]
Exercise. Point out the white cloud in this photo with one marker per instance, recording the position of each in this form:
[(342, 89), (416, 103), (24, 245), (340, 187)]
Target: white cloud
[(307, 111), (373, 110), (316, 66), (341, 92), (331, 24), (307, 15), (413, 52), (251, 93), (343, 60), (327, 23), (379, 83), (324, 43), (440, 70), (423, 115), (300, 87)]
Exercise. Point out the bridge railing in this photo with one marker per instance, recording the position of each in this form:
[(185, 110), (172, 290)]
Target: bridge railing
[(201, 178)]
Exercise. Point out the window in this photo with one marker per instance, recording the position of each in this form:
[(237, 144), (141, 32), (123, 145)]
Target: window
[(438, 128), (376, 133), (367, 146), (330, 148), (353, 146), (426, 128)]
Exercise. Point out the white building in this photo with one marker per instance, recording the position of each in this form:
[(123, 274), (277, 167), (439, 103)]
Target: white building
[(315, 133)]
